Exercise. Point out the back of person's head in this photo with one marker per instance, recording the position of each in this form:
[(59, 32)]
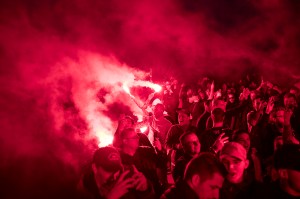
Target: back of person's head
[(217, 115), (205, 165), (239, 132), (191, 130)]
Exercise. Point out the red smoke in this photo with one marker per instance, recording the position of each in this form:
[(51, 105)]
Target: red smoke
[(63, 64)]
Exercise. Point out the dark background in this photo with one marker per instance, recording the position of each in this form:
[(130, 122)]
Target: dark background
[(62, 63)]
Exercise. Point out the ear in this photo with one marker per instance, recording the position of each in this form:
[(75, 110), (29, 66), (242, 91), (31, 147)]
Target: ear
[(246, 163), (195, 180), (283, 173)]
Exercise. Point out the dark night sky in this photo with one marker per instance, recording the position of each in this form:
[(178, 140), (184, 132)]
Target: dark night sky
[(62, 63)]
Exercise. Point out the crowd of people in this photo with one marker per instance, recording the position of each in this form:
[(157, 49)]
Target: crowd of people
[(204, 140)]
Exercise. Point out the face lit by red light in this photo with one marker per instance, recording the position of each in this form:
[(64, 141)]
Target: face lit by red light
[(183, 119), (131, 140), (158, 111), (244, 140), (191, 144), (235, 168), (231, 98)]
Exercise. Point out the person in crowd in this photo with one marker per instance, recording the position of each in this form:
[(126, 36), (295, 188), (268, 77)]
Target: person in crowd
[(217, 133), (145, 159), (290, 102), (170, 100), (287, 166), (243, 137), (125, 122), (238, 184), (191, 148), (107, 178), (174, 150), (202, 120), (172, 140), (203, 178), (159, 126)]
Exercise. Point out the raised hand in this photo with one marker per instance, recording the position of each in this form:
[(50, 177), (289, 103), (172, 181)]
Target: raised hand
[(140, 181), (220, 141), (270, 105), (121, 187)]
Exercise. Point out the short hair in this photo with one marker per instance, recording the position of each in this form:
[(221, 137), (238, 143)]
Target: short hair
[(218, 115), (239, 132), (205, 165), (190, 131)]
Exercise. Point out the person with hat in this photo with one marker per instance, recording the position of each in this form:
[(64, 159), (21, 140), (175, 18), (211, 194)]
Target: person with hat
[(237, 183), (108, 179)]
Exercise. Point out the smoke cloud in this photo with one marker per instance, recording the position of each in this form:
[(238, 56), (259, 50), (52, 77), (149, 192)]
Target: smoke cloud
[(63, 64)]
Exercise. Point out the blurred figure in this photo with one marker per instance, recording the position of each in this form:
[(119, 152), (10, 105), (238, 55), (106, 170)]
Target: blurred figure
[(287, 165), (159, 126), (290, 102), (203, 178)]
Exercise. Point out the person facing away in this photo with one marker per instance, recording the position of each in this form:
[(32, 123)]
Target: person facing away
[(203, 178)]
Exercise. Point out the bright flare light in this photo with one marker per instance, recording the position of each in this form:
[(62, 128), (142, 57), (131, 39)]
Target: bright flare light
[(143, 129), (105, 140), (127, 90), (155, 87)]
